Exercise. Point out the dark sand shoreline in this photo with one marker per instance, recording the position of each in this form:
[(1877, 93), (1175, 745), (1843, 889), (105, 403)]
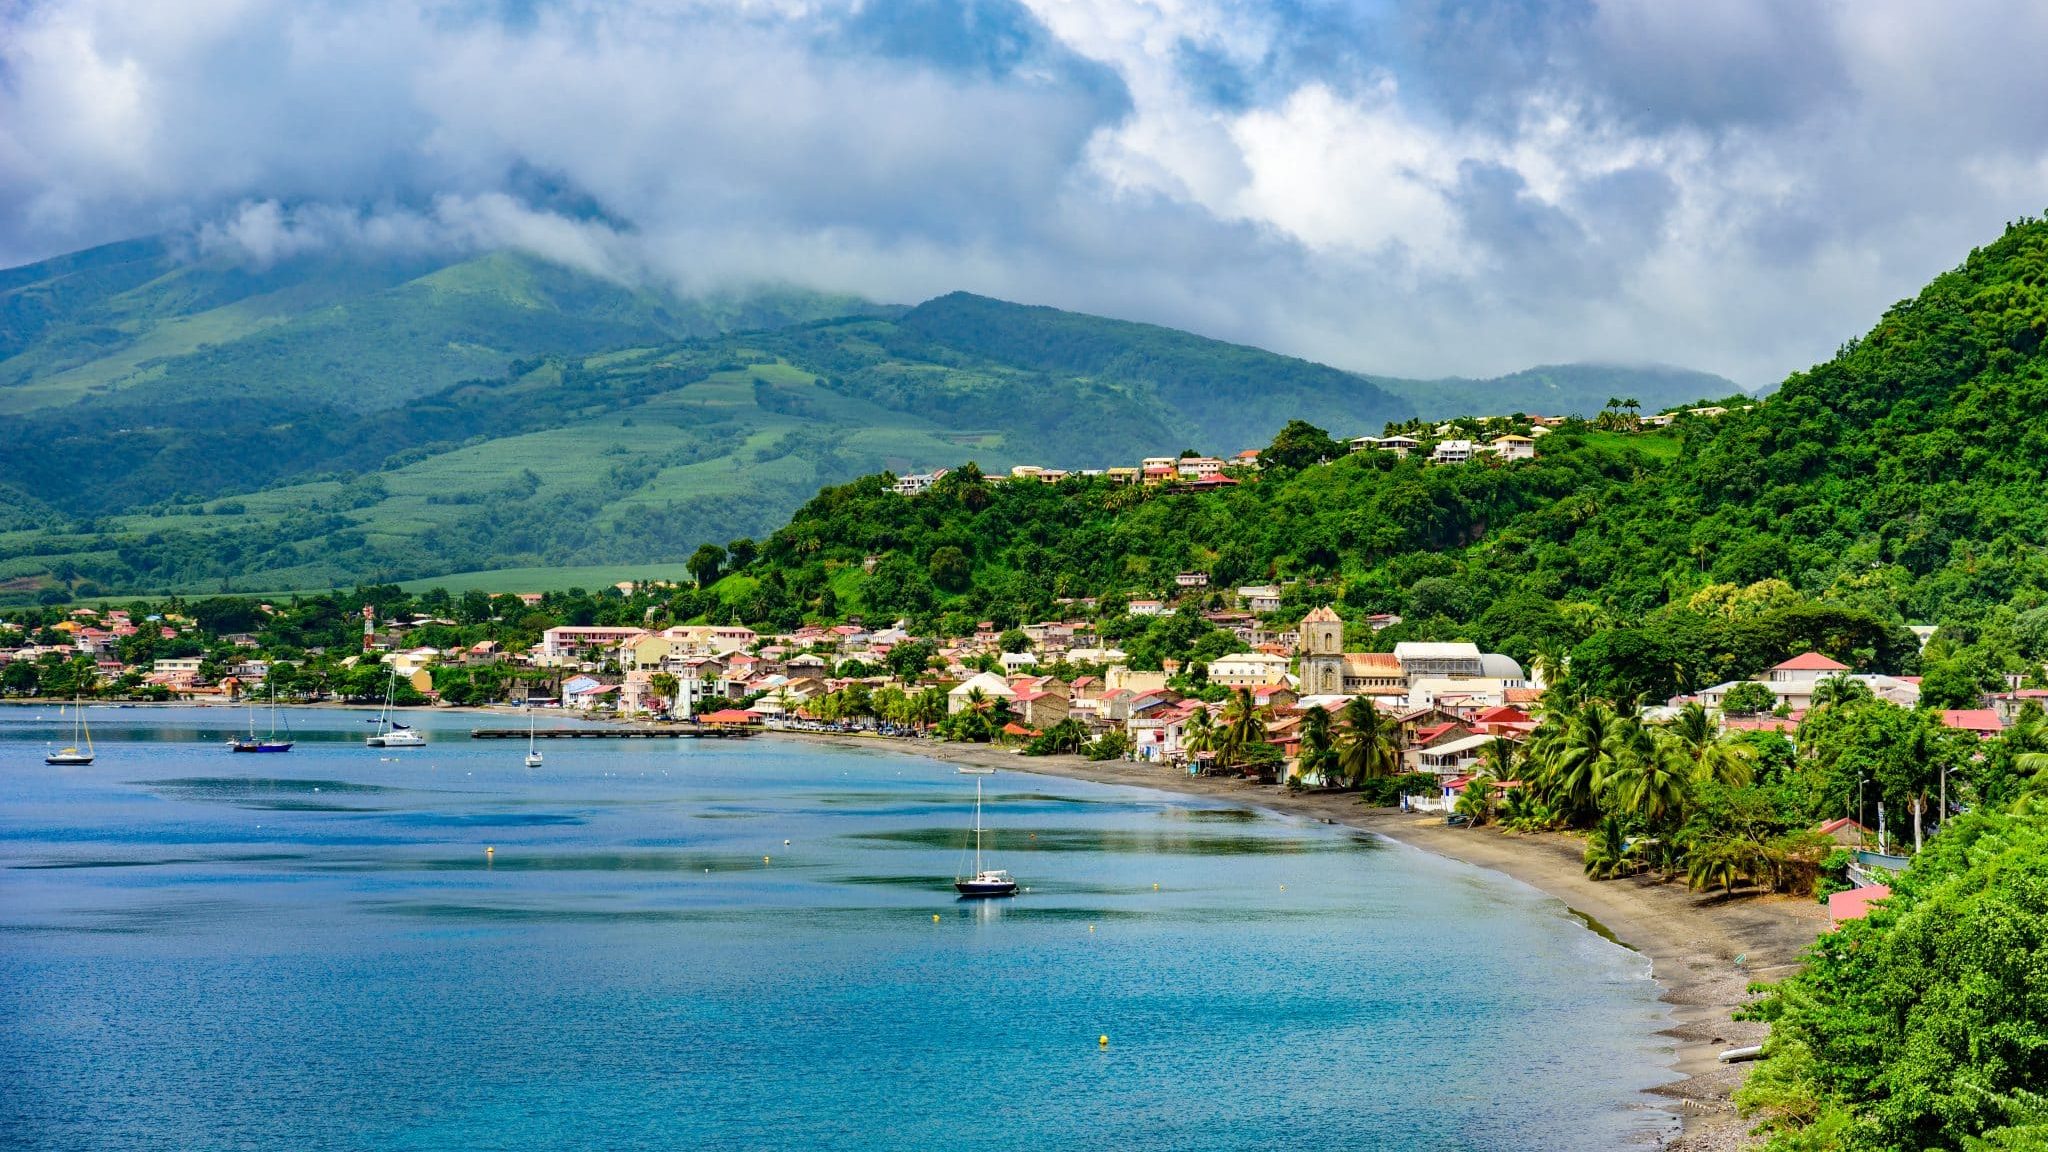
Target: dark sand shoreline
[(1691, 939)]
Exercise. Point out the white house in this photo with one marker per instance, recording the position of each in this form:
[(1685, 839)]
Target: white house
[(1513, 447), (990, 685), (1452, 452), (1260, 598), (1247, 669)]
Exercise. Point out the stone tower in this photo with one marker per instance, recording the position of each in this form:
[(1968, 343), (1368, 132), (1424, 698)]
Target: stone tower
[(1322, 653)]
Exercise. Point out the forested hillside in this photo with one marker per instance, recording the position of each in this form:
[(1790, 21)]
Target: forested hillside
[(1898, 482), (196, 422)]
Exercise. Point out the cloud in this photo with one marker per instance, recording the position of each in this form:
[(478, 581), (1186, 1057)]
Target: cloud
[(1407, 186)]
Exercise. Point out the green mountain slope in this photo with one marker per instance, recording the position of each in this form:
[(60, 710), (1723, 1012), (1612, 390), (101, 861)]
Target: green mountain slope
[(1562, 390), (1897, 482), (177, 421)]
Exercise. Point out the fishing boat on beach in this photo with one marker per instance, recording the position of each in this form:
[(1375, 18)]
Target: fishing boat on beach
[(985, 882), (254, 743), (80, 732)]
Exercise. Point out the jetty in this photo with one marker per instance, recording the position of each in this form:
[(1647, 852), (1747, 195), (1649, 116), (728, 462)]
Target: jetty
[(637, 732)]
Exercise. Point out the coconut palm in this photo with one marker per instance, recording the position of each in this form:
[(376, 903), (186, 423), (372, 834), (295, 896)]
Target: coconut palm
[(1201, 734), (1648, 780), (1475, 803), (1369, 749), (1244, 725), (1608, 854), (1318, 751), (1573, 770), (1715, 758), (927, 708)]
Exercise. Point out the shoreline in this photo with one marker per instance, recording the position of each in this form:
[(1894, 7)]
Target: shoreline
[(1691, 939)]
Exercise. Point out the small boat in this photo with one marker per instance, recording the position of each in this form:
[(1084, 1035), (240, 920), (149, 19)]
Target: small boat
[(532, 753), (80, 730), (262, 744), (986, 881), (390, 733)]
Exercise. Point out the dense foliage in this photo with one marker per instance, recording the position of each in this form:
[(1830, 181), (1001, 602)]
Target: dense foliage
[(1924, 1026)]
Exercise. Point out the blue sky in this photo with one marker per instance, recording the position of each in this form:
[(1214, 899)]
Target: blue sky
[(1409, 186)]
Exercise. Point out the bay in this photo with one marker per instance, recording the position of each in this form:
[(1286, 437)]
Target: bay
[(733, 944)]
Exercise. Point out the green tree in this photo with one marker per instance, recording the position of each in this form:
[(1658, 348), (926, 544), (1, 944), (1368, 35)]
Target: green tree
[(1299, 445), (706, 564)]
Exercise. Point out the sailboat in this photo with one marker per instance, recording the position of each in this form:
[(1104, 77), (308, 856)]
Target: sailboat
[(390, 733), (265, 744), (80, 730), (986, 881), (532, 753)]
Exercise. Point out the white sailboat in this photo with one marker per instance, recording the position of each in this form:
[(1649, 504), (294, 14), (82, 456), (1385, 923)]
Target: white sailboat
[(390, 733), (532, 753), (80, 730), (985, 881)]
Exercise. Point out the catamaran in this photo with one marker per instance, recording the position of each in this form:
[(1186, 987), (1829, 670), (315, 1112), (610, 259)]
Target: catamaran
[(985, 881), (390, 733), (532, 753), (80, 730), (264, 744)]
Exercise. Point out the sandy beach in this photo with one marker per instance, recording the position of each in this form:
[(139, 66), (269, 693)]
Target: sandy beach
[(1704, 948)]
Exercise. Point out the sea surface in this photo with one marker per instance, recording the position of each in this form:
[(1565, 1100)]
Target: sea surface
[(754, 945)]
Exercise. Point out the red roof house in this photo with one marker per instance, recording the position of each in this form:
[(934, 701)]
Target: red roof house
[(1855, 903)]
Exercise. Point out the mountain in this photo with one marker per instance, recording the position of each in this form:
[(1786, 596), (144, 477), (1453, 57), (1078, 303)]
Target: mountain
[(1562, 390), (178, 419), (1898, 482)]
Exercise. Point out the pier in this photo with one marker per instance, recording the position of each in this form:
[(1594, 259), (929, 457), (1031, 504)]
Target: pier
[(675, 732)]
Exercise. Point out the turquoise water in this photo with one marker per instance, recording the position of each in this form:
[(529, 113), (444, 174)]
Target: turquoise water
[(201, 950)]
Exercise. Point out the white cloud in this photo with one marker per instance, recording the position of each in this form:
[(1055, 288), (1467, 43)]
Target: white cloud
[(1736, 189)]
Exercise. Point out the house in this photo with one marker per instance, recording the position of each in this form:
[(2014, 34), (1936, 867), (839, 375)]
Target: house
[(1246, 669), (1374, 674), (1259, 599), (1158, 473), (1147, 607), (1805, 669), (1013, 661), (1192, 580), (917, 483), (987, 683), (1513, 447), (1447, 755), (1199, 467), (1041, 708), (1120, 678), (1121, 475), (1400, 446), (1844, 831), (1446, 660), (1362, 443), (1855, 903), (1983, 722), (560, 643), (187, 666), (1249, 458), (1452, 452)]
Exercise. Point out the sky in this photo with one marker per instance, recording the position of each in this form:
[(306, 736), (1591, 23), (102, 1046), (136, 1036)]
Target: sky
[(1404, 186)]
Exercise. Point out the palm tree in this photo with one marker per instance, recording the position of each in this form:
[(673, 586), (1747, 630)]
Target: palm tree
[(1318, 751), (927, 708), (1244, 725), (1648, 780), (1475, 803), (665, 685), (1199, 734), (1715, 758), (1607, 851), (1369, 749), (1572, 772)]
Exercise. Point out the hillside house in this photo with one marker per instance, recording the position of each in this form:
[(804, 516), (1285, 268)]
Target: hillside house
[(1513, 447), (1247, 669), (1259, 599), (1452, 452), (987, 683)]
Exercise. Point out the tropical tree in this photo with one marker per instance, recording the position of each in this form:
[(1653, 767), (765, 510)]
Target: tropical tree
[(1318, 751), (1369, 748), (664, 685), (1713, 755), (1608, 853), (1244, 724), (1199, 734)]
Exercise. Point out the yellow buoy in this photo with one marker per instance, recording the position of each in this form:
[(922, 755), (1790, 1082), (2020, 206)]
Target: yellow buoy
[(1091, 927), (489, 850), (764, 860), (1102, 1041), (1155, 887), (935, 917)]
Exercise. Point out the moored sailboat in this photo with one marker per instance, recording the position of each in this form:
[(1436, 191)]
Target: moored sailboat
[(390, 733), (262, 744), (532, 753), (80, 730), (985, 881)]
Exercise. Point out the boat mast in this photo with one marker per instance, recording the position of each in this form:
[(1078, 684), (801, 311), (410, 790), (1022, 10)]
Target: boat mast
[(977, 825)]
